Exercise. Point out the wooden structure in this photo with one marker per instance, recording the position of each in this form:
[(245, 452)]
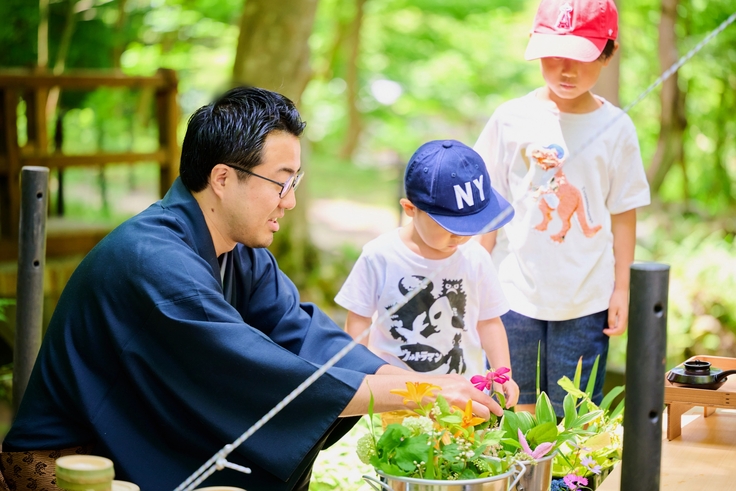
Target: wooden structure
[(679, 400), (699, 459), (34, 88)]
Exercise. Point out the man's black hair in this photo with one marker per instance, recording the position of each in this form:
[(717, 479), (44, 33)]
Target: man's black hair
[(607, 50), (233, 129)]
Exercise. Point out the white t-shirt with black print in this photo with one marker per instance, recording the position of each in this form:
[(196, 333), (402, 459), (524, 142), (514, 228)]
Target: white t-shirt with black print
[(435, 331), (555, 258)]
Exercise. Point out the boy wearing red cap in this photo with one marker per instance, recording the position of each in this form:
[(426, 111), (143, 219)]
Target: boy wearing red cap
[(569, 163)]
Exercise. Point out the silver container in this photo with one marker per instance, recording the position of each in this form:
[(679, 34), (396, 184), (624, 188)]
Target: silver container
[(491, 483), (538, 475)]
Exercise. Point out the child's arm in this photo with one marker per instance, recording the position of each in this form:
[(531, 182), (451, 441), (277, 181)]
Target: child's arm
[(496, 346), (355, 325), (623, 226)]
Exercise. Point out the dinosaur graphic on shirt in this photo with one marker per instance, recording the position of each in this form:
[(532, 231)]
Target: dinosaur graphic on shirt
[(569, 198)]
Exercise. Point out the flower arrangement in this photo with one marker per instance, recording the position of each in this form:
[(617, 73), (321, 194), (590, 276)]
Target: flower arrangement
[(436, 442), (585, 458)]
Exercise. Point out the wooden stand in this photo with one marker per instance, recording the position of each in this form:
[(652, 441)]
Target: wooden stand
[(33, 87), (681, 399)]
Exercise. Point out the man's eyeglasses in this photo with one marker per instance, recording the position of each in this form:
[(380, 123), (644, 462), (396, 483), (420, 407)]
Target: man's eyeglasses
[(291, 183)]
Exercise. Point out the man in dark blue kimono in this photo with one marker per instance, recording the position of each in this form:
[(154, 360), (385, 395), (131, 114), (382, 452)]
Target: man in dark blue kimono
[(178, 331)]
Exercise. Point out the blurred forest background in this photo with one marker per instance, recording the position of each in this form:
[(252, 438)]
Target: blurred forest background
[(374, 79)]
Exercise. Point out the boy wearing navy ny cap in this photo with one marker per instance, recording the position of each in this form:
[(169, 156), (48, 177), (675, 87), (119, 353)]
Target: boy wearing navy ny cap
[(454, 320)]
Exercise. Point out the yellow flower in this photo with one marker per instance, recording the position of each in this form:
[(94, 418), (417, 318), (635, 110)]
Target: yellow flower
[(416, 391), (468, 418)]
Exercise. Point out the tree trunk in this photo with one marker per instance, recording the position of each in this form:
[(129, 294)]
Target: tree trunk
[(273, 53), (355, 124), (273, 47), (43, 34), (70, 24), (670, 145), (722, 184), (608, 83)]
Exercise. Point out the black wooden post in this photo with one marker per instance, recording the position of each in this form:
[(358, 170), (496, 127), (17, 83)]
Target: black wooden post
[(646, 353), (34, 183)]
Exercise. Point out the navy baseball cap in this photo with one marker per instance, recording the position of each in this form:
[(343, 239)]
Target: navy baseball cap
[(449, 181)]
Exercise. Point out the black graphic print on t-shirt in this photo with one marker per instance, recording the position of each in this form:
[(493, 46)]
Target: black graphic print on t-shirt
[(431, 327)]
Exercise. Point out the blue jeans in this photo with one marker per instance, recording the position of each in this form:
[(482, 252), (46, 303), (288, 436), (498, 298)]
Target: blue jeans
[(561, 344)]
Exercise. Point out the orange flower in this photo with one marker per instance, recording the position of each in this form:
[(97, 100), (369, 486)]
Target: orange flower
[(416, 391), (468, 418)]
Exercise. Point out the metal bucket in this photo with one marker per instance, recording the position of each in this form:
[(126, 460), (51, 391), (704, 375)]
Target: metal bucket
[(538, 475), (491, 483)]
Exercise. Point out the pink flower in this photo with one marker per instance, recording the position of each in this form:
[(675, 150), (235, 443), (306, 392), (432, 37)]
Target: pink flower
[(574, 482), (483, 382), (539, 452)]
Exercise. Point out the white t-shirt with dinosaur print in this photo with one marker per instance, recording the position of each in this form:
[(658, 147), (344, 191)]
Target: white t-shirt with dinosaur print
[(555, 258), (435, 331)]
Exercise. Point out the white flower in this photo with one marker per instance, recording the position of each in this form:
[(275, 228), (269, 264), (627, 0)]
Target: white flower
[(418, 425), (365, 449)]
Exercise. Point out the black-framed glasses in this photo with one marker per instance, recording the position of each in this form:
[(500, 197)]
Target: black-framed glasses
[(291, 183)]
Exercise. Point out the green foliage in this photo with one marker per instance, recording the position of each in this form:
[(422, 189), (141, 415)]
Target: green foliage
[(592, 440), (701, 317), (435, 441), (19, 30)]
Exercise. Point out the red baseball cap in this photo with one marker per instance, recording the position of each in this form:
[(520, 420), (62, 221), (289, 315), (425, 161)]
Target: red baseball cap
[(575, 29)]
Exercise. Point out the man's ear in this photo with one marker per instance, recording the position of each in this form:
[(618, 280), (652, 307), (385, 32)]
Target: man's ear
[(219, 176), (408, 207)]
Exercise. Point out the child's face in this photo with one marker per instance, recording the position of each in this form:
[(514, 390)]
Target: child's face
[(570, 81), (430, 236)]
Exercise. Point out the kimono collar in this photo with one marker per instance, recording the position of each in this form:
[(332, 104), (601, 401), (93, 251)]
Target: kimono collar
[(179, 200)]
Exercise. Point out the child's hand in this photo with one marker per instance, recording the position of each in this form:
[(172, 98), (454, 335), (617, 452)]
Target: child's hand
[(511, 391), (618, 313)]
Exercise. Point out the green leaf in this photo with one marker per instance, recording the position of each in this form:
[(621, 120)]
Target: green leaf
[(544, 411), (392, 437), (612, 394), (370, 414), (431, 471), (619, 409), (443, 405), (585, 406), (510, 424), (546, 432), (581, 421), (578, 373), (501, 400), (570, 412), (539, 363), (451, 419), (526, 421), (570, 387), (511, 442), (593, 375)]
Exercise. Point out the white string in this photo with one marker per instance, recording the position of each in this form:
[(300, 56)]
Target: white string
[(219, 460)]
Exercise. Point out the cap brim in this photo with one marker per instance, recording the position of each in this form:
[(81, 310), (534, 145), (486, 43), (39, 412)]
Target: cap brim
[(564, 46), (495, 215)]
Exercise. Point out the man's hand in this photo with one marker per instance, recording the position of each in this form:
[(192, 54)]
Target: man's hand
[(618, 313), (457, 390)]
